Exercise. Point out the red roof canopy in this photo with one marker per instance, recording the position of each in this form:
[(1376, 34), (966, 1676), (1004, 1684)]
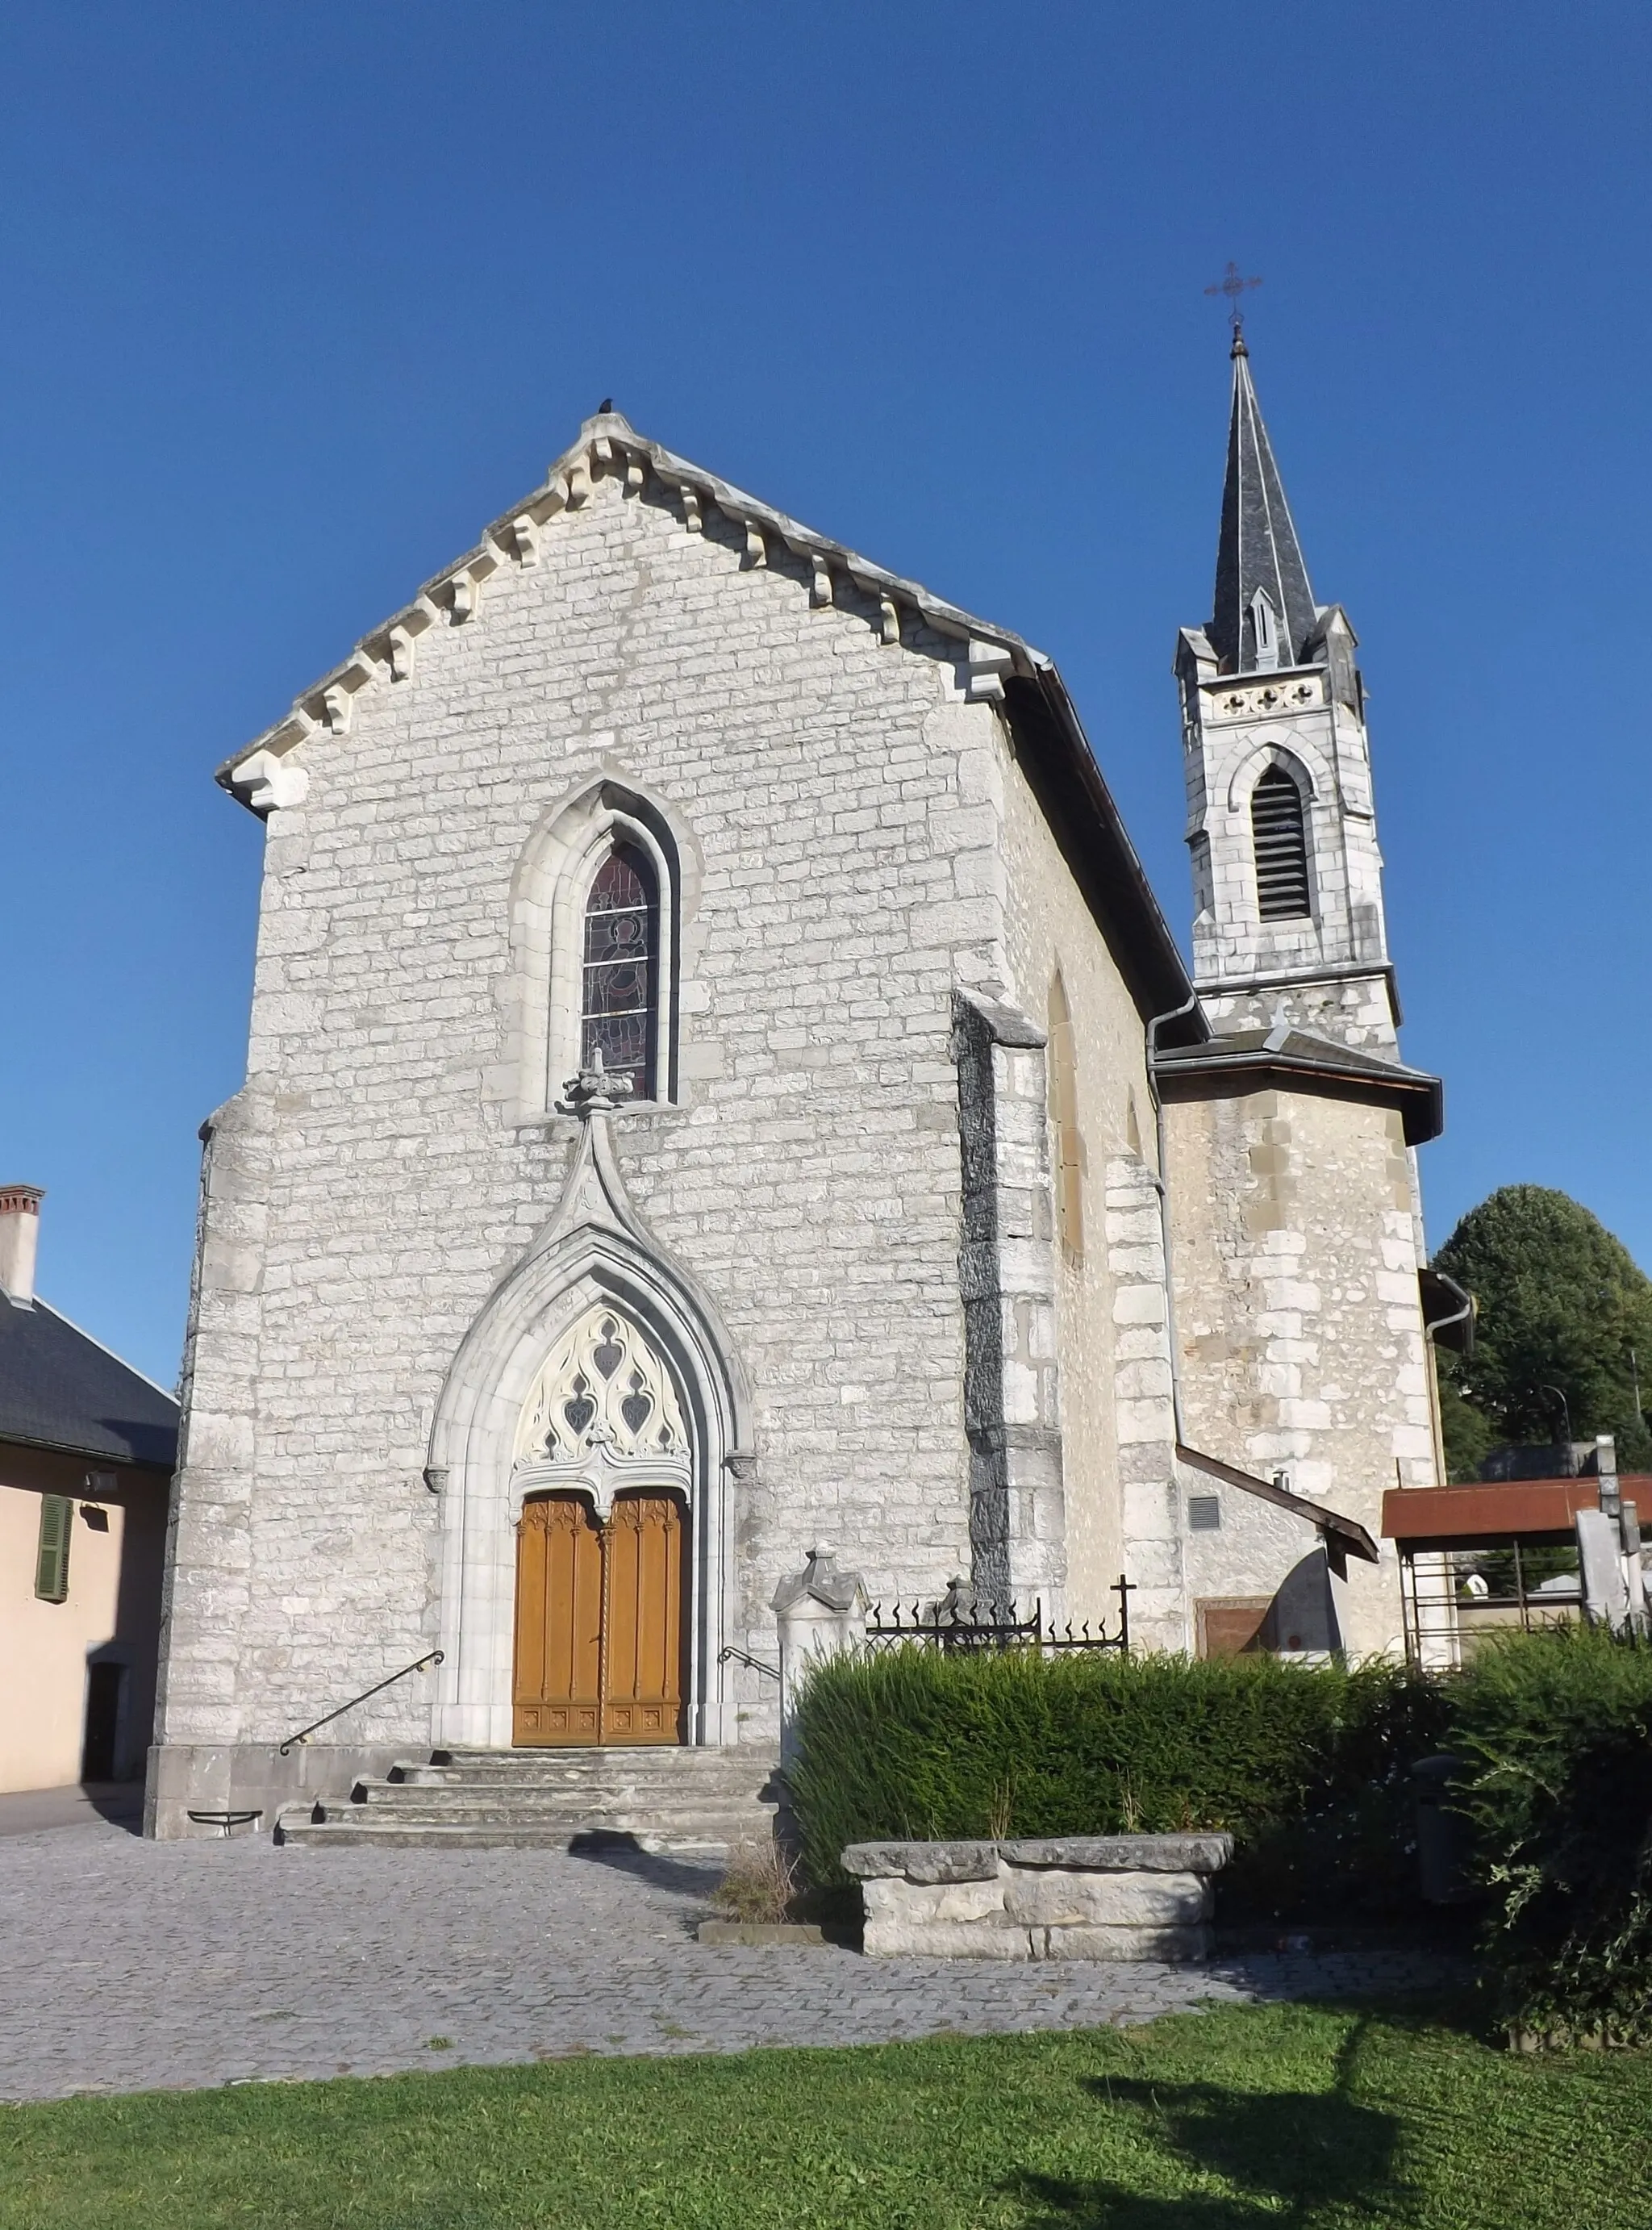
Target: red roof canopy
[(1501, 1510)]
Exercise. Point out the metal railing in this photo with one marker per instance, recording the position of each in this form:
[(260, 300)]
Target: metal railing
[(964, 1622), (744, 1657), (430, 1657), (1452, 1599)]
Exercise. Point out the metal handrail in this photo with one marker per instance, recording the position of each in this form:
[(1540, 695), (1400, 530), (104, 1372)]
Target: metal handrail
[(430, 1657), (743, 1657)]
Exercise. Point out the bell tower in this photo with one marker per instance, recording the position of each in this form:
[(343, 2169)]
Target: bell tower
[(1288, 926)]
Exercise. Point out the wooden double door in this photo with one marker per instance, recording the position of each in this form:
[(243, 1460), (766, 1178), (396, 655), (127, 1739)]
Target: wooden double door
[(600, 1625)]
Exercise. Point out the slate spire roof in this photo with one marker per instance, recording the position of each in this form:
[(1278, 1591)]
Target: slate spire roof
[(1259, 549)]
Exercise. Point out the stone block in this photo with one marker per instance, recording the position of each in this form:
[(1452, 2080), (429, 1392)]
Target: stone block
[(942, 1901), (1190, 1854), (923, 1862), (1176, 1946), (895, 1935), (1054, 1897)]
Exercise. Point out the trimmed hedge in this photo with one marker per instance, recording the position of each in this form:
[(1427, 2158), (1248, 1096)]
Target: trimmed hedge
[(1307, 1766), (1555, 1732)]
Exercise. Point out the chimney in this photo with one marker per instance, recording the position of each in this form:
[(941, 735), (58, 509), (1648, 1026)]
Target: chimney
[(19, 1236)]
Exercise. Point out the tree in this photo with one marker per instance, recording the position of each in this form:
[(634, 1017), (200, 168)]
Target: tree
[(1562, 1305)]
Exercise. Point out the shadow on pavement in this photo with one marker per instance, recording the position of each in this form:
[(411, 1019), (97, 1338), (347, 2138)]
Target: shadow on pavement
[(608, 1847), (30, 1811)]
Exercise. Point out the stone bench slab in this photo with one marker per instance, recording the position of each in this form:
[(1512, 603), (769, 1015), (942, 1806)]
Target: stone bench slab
[(1072, 1896), (979, 1861)]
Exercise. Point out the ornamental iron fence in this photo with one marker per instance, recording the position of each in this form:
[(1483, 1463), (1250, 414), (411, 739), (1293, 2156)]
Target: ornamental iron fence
[(967, 1623)]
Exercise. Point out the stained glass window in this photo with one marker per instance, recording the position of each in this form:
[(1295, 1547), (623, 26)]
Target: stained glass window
[(622, 967)]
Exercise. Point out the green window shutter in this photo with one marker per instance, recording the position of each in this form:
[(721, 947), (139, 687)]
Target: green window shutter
[(52, 1564)]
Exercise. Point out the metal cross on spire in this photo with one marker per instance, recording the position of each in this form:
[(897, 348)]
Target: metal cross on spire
[(1233, 286)]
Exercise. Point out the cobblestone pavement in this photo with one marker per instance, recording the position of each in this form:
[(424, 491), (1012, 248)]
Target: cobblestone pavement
[(127, 1965)]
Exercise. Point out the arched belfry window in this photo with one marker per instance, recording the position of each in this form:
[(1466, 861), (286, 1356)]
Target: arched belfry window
[(1279, 839), (620, 1003)]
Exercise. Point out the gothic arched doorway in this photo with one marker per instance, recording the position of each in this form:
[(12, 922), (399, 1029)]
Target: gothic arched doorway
[(599, 1628), (603, 1468)]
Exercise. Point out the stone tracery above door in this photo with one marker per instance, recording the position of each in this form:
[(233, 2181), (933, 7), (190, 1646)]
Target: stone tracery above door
[(603, 1414)]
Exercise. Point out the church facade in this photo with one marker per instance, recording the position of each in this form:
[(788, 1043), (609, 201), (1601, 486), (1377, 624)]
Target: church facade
[(719, 1083)]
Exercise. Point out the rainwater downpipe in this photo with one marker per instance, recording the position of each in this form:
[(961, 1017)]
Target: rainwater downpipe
[(1162, 1186), (1431, 1335)]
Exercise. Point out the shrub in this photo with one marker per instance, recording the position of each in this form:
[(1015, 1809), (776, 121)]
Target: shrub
[(759, 1882), (1555, 1731), (919, 1743)]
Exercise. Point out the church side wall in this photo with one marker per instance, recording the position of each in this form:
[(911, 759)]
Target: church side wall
[(1049, 927), (1300, 1322), (373, 1184)]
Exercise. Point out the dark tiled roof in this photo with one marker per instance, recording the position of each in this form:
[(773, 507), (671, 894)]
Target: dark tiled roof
[(1287, 1055), (59, 1389), (1258, 547)]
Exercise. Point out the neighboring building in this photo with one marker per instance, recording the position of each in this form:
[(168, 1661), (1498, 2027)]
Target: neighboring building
[(88, 1447), (717, 1075)]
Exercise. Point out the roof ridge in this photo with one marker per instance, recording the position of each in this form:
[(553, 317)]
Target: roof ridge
[(104, 1348)]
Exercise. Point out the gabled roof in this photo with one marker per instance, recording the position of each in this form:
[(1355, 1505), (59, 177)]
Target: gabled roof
[(59, 1389), (993, 664), (1299, 1060), (1257, 547)]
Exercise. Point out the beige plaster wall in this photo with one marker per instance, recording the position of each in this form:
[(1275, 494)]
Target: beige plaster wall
[(113, 1597), (1298, 1316), (1049, 925)]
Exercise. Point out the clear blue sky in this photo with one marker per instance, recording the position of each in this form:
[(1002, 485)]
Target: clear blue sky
[(296, 298)]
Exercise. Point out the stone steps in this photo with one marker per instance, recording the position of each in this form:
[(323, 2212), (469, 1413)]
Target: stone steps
[(698, 1802)]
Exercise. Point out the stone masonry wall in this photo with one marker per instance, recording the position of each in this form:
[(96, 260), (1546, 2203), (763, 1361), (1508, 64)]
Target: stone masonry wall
[(1049, 928), (368, 1188), (1298, 1313)]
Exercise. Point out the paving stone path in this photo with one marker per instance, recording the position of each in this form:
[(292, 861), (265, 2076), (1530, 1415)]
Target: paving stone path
[(127, 1965)]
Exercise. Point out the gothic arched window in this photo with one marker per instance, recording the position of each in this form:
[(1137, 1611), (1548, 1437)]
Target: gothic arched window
[(1279, 838), (620, 1004)]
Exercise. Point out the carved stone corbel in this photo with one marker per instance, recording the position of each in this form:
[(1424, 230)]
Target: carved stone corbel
[(756, 546), (268, 783), (988, 664), (819, 581), (888, 614), (689, 498)]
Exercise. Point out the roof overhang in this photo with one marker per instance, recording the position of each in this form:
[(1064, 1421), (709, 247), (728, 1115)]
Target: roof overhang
[(1063, 771), (1460, 1517), (1215, 1071), (1343, 1536)]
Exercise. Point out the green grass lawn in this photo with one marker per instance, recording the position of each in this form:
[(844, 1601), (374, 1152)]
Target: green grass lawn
[(1295, 2116)]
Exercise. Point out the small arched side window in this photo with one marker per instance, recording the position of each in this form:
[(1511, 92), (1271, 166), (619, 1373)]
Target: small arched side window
[(1279, 839), (620, 1004), (1064, 1111)]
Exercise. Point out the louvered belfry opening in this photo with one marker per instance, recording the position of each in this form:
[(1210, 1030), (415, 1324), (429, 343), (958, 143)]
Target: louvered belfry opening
[(1280, 840)]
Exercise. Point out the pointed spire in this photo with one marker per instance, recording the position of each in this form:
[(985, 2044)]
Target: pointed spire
[(1264, 607)]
